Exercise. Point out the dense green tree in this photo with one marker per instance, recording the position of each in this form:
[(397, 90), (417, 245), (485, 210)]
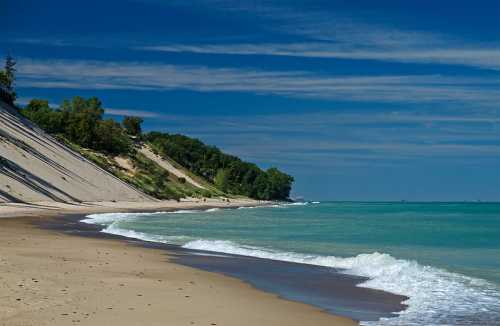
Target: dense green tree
[(49, 120), (279, 183), (10, 71), (132, 125), (8, 76), (111, 138), (229, 173), (4, 80), (80, 121), (83, 116), (261, 187), (221, 180)]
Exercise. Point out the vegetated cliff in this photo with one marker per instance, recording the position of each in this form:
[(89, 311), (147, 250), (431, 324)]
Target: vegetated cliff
[(161, 165)]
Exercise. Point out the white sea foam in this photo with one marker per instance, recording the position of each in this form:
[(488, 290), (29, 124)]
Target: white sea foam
[(249, 207), (436, 296), (106, 218), (280, 205), (114, 229), (298, 203), (186, 211), (110, 221), (287, 205)]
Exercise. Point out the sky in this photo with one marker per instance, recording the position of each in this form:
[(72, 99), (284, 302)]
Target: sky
[(358, 100)]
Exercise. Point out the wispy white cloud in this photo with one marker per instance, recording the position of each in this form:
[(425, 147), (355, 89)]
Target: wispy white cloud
[(319, 34), (46, 41), (481, 57), (337, 151), (131, 112), (361, 138), (342, 35), (154, 76)]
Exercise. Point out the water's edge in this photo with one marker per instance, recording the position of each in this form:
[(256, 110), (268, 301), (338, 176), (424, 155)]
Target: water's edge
[(322, 287)]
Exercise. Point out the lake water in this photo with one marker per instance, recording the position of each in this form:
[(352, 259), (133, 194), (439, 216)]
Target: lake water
[(444, 256)]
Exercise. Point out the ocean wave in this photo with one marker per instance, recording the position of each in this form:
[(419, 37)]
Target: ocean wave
[(298, 203), (250, 207), (287, 205), (105, 218), (281, 205), (436, 296), (116, 230)]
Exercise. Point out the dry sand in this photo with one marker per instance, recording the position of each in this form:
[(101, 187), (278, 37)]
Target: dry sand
[(50, 278)]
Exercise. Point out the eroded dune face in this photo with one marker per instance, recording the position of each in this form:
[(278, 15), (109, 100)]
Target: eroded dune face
[(36, 167)]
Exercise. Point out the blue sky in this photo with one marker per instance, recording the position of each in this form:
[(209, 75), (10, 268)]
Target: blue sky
[(359, 100)]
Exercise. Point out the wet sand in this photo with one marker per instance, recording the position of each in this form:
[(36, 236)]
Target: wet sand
[(51, 278), (323, 287)]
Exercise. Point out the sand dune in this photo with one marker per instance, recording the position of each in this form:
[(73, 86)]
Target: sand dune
[(35, 167)]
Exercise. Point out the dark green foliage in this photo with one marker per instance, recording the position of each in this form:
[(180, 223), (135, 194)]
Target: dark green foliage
[(39, 112), (279, 184), (132, 125), (80, 121), (109, 137), (4, 80), (227, 172), (8, 77), (221, 180), (10, 70), (82, 117)]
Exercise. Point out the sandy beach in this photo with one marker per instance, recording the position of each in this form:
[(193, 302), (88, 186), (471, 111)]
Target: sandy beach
[(51, 278), (51, 208)]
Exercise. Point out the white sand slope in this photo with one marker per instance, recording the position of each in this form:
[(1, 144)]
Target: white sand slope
[(146, 151), (35, 167)]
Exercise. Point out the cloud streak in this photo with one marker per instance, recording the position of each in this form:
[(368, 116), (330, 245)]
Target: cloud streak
[(487, 58), (351, 139), (341, 35), (132, 112), (74, 74), (318, 34)]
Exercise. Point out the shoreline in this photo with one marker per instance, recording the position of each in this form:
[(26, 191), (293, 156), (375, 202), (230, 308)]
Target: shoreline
[(52, 209), (326, 288), (42, 271)]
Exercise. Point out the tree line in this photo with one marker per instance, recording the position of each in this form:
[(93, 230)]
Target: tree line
[(229, 173), (81, 122)]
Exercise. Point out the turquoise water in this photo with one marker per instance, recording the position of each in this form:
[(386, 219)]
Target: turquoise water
[(444, 256)]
